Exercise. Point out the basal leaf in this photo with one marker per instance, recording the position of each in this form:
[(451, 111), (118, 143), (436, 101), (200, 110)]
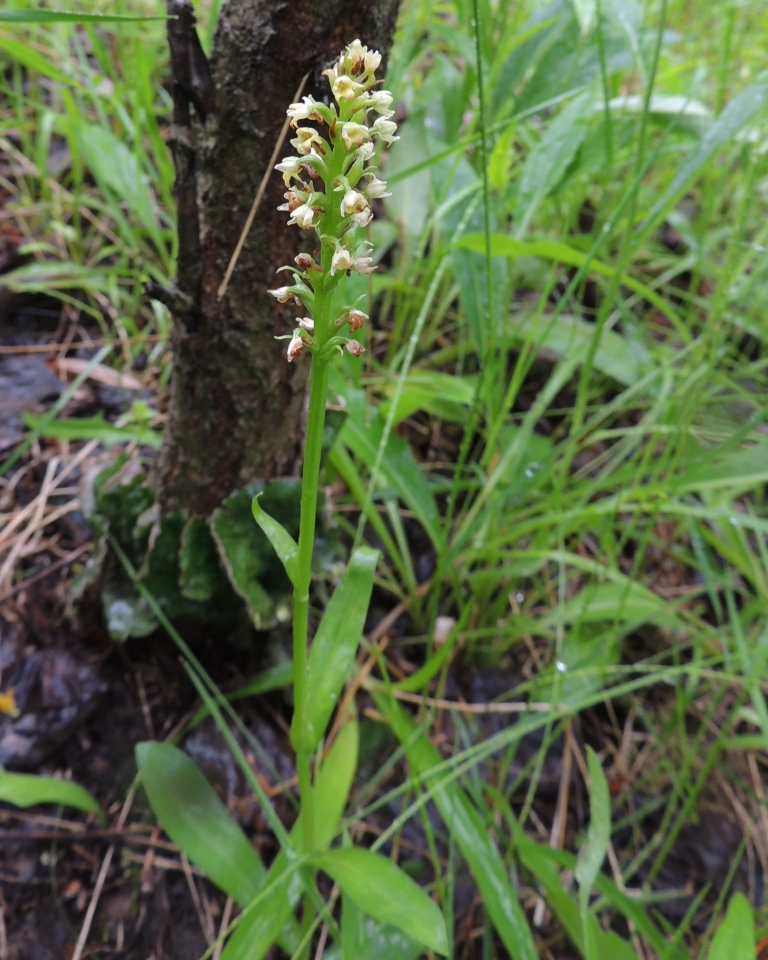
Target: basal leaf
[(197, 821), (735, 937), (335, 643), (26, 789), (594, 850), (385, 892)]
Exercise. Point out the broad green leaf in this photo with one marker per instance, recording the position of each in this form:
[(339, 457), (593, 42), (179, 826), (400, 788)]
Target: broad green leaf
[(741, 466), (442, 394), (382, 942), (56, 16), (734, 117), (468, 830), (594, 850), (335, 644), (92, 428), (26, 789), (629, 601), (735, 937), (549, 159), (285, 546), (505, 246), (261, 923), (354, 936), (386, 893), (197, 821)]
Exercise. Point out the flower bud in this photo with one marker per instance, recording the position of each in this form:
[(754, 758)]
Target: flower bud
[(305, 262), (376, 189), (381, 101)]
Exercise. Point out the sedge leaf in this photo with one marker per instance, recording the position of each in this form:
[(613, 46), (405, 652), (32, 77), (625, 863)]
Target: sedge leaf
[(386, 893)]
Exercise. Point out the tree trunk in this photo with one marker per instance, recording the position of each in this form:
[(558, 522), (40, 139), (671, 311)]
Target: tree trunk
[(236, 407)]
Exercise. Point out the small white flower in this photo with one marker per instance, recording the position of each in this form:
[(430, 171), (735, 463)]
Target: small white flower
[(385, 129), (306, 323), (345, 88), (376, 189), (363, 265), (381, 101), (302, 111), (355, 347), (365, 151), (354, 134), (308, 140), (304, 216), (371, 60), (282, 294), (341, 260), (363, 218), (353, 202), (295, 347), (290, 169)]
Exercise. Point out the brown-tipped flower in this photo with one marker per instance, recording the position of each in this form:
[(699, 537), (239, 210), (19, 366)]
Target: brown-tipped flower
[(356, 319), (355, 347), (305, 262), (295, 347)]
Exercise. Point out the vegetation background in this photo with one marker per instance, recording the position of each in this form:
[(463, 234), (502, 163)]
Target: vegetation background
[(558, 438)]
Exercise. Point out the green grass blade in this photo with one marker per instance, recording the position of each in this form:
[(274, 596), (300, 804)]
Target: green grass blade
[(26, 790)]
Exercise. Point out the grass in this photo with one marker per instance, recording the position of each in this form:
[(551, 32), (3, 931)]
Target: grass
[(571, 430)]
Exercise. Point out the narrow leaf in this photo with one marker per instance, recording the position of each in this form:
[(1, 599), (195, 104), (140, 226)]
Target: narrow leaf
[(594, 850), (285, 546), (335, 644), (469, 831), (26, 789), (197, 821), (57, 16), (386, 893), (33, 60)]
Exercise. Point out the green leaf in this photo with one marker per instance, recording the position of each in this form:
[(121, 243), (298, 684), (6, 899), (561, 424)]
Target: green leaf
[(399, 469), (59, 16), (261, 924), (549, 159), (197, 821), (335, 644), (273, 678), (26, 789), (92, 428), (735, 937), (586, 14), (505, 246), (386, 893), (285, 546), (468, 830), (594, 850), (736, 115), (33, 60)]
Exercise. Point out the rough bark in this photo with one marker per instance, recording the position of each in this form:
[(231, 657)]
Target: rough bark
[(236, 407)]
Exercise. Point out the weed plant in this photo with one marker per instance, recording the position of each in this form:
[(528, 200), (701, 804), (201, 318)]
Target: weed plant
[(556, 438)]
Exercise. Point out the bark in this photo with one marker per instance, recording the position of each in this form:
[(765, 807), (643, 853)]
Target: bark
[(236, 407)]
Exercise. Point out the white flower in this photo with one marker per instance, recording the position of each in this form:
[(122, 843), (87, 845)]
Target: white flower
[(353, 202), (290, 169), (307, 140), (306, 323), (385, 129), (365, 151), (371, 60), (304, 216), (302, 111), (376, 189), (381, 101), (341, 260), (355, 348), (354, 134), (295, 347), (363, 218), (282, 294), (345, 88), (363, 265)]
